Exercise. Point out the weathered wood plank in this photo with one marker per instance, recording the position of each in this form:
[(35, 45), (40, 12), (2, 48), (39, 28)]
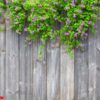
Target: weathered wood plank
[(22, 67), (29, 72), (98, 62), (67, 75), (92, 67), (53, 72), (12, 68), (81, 74), (2, 60), (39, 73)]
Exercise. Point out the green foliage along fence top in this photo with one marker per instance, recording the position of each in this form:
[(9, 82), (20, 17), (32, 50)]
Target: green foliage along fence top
[(38, 19)]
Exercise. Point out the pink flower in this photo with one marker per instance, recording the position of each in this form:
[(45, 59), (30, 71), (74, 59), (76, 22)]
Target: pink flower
[(72, 4), (34, 19), (7, 21), (77, 47), (86, 34), (95, 25), (89, 22), (82, 24), (99, 14), (66, 33), (75, 35), (79, 30), (25, 29), (30, 43), (74, 15)]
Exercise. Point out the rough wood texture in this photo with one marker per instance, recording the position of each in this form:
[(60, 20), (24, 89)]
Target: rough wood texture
[(25, 75), (92, 67), (39, 73), (12, 66), (25, 69), (81, 73), (2, 61), (98, 62), (53, 72), (67, 75), (22, 68)]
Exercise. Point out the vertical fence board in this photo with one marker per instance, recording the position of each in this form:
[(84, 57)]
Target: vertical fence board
[(53, 73), (29, 73), (22, 66), (12, 69), (2, 61), (92, 67), (98, 62), (81, 74), (67, 75), (39, 73), (64, 84)]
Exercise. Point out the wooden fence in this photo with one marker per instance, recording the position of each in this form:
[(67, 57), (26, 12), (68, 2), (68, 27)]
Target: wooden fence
[(56, 76)]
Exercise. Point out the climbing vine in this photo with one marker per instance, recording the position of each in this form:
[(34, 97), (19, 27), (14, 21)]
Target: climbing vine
[(38, 19), (2, 12), (1, 7)]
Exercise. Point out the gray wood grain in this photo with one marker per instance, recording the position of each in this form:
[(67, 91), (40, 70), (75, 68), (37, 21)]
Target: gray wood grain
[(53, 72), (67, 75), (39, 73), (25, 69), (81, 74), (22, 67), (2, 60), (92, 67), (29, 72), (98, 61), (12, 68)]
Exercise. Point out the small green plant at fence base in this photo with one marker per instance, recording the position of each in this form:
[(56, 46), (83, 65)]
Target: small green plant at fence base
[(38, 18)]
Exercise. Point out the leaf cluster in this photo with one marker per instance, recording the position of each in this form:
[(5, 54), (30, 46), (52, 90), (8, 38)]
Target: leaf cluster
[(69, 21)]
